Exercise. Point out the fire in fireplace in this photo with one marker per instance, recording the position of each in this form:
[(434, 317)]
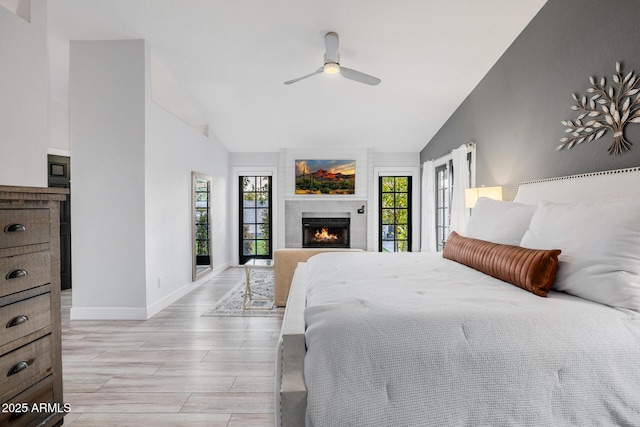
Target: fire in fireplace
[(325, 232)]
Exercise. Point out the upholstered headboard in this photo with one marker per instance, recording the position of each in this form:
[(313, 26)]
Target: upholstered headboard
[(590, 187)]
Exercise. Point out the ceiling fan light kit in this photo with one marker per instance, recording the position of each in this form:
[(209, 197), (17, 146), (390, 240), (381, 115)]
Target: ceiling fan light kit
[(331, 68), (332, 64)]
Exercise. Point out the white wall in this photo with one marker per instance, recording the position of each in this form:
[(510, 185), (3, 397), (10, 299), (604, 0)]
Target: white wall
[(249, 160), (132, 162), (59, 128), (384, 159), (107, 130), (24, 97), (173, 150)]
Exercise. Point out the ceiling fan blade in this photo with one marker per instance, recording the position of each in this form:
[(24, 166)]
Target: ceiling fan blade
[(318, 71), (358, 76), (331, 43)]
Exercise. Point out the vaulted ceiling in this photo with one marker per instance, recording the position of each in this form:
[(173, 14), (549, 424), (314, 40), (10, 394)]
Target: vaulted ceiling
[(223, 63)]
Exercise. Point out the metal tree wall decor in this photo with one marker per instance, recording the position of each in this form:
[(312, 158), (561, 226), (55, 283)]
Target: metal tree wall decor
[(606, 108)]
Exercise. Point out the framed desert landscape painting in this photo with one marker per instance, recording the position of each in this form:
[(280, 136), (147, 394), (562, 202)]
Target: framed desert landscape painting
[(325, 176)]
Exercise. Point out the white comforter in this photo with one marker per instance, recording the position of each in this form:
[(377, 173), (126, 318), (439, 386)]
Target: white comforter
[(418, 340)]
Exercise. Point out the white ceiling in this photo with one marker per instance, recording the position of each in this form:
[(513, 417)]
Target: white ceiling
[(223, 63)]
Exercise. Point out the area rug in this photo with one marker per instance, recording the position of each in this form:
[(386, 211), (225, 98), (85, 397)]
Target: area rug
[(261, 287)]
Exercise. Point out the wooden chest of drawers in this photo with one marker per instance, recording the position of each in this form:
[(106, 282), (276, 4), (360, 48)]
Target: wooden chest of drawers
[(30, 341)]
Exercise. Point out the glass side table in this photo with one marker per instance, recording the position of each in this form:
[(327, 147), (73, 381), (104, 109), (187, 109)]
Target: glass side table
[(248, 295)]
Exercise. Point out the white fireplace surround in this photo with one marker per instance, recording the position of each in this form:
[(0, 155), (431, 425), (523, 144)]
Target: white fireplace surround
[(296, 210)]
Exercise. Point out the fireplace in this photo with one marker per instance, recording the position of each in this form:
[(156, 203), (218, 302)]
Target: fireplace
[(325, 233)]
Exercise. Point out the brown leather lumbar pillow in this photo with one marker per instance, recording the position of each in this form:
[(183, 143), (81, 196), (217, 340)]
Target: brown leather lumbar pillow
[(530, 269)]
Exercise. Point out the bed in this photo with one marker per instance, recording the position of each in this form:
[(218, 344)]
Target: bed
[(467, 338)]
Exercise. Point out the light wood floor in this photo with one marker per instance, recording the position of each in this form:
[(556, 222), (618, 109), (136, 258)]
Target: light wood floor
[(175, 369)]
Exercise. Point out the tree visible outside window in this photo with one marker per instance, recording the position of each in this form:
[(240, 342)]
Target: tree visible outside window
[(395, 214), (255, 217)]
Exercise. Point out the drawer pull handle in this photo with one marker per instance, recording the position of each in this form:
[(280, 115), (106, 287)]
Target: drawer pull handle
[(18, 367), (18, 320), (15, 274), (15, 228)]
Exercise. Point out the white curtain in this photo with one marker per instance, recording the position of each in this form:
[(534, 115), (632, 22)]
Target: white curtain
[(428, 220), (459, 212)]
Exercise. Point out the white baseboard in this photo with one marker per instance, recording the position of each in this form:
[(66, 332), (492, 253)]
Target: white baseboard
[(141, 313), (108, 313), (166, 301)]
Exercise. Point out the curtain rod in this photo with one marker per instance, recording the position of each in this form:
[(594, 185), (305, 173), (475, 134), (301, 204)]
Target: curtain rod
[(468, 144)]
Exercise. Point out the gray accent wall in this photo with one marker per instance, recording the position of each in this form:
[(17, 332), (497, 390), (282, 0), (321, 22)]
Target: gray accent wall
[(515, 112)]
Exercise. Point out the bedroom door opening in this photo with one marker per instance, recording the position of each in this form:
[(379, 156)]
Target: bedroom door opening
[(255, 218), (59, 176)]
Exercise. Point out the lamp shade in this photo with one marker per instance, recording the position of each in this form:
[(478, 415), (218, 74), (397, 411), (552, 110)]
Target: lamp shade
[(472, 195)]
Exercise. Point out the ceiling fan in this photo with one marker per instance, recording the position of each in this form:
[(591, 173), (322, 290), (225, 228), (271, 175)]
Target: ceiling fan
[(332, 64)]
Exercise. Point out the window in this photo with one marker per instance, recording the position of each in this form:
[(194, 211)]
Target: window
[(395, 213), (255, 217), (443, 202), (445, 182)]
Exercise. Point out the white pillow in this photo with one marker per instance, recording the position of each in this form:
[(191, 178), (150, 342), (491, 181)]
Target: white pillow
[(499, 221), (600, 245)]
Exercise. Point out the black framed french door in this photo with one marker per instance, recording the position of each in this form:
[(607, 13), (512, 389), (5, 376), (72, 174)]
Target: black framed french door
[(395, 214), (255, 218)]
